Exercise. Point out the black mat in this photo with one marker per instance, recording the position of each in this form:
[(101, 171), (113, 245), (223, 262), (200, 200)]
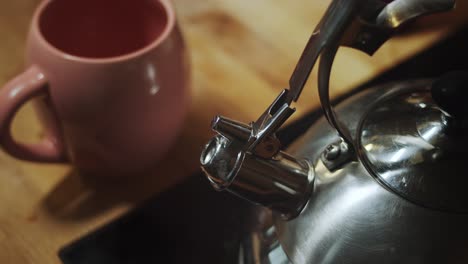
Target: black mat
[(191, 223)]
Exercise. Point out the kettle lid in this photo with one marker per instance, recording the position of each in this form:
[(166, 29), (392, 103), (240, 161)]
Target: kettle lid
[(416, 142)]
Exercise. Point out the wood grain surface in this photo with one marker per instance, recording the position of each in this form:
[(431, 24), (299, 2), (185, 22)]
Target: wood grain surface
[(242, 54)]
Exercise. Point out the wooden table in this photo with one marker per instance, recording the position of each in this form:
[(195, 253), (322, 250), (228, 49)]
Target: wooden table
[(242, 55)]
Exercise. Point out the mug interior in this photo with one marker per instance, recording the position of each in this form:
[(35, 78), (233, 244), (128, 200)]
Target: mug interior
[(102, 28)]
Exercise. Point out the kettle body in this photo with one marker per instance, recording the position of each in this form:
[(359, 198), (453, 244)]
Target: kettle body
[(352, 217)]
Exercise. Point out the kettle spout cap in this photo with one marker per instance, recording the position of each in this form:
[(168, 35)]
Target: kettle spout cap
[(281, 183)]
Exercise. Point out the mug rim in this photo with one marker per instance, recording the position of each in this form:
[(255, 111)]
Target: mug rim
[(170, 22)]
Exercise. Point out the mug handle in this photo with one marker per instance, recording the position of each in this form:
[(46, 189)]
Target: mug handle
[(29, 84)]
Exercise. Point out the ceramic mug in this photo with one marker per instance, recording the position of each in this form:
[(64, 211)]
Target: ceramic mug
[(109, 80)]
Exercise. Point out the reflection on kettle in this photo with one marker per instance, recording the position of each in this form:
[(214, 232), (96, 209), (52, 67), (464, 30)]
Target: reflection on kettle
[(385, 183)]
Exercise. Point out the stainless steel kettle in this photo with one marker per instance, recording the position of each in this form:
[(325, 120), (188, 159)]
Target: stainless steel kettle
[(385, 183)]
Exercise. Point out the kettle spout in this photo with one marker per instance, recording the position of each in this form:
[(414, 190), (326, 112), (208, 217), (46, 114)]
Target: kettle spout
[(281, 183)]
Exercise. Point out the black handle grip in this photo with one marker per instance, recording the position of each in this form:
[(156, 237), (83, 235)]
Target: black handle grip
[(450, 92)]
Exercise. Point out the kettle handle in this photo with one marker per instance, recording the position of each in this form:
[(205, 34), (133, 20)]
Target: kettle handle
[(353, 24), (324, 72)]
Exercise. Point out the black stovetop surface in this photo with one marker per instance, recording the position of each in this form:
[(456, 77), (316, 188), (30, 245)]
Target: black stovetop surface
[(191, 223)]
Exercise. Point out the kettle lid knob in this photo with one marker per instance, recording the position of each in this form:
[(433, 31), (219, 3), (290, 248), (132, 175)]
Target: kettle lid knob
[(450, 92)]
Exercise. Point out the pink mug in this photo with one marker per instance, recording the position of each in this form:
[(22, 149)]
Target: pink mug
[(110, 83)]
